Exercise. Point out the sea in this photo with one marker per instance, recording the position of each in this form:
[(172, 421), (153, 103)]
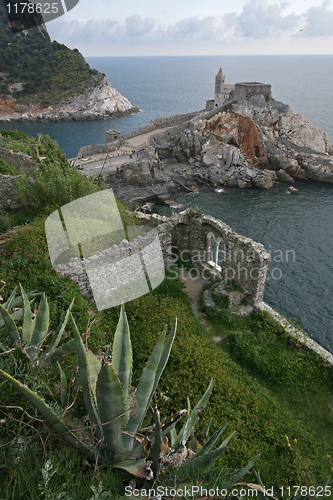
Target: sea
[(297, 231)]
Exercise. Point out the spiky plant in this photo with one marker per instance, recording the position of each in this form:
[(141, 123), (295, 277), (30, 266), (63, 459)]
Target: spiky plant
[(116, 413), (30, 337)]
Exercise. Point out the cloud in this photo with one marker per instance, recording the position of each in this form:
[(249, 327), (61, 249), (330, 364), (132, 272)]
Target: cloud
[(136, 26), (107, 30), (318, 21), (208, 28), (259, 19)]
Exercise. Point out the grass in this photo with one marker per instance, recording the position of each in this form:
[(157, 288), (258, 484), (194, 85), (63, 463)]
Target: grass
[(260, 408), (297, 379), (267, 386)]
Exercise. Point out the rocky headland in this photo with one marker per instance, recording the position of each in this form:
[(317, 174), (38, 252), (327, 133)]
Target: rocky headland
[(43, 80), (253, 143), (97, 102)]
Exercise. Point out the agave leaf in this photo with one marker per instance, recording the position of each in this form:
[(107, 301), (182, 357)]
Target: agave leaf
[(41, 324), (63, 389), (150, 377), (17, 301), (144, 393), (10, 302), (206, 460), (192, 419), (206, 430), (51, 417), (94, 367), (168, 424), (241, 472), (122, 358), (210, 443), (16, 316), (139, 468), (64, 350), (10, 324), (27, 320), (57, 336), (140, 438), (173, 436), (164, 356), (111, 409), (156, 448), (188, 407), (84, 374)]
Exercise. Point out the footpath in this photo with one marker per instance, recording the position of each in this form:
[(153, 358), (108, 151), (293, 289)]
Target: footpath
[(129, 152)]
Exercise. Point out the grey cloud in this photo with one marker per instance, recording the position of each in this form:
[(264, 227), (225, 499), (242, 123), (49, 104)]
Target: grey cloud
[(318, 21), (136, 26), (194, 28), (257, 20), (106, 31), (261, 20)]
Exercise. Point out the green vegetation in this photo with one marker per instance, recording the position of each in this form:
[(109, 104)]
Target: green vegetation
[(49, 71), (7, 169), (194, 212), (53, 182), (274, 394)]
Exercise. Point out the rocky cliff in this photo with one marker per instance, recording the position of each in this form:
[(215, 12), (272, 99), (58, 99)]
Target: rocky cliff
[(250, 143), (101, 101), (44, 80)]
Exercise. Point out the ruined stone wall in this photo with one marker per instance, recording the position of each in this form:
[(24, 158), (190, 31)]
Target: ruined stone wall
[(165, 121), (8, 197), (243, 260), (245, 90), (95, 149)]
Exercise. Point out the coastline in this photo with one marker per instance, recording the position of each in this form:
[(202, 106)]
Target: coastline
[(95, 103)]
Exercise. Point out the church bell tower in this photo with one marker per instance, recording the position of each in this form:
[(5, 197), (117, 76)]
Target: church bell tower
[(219, 83)]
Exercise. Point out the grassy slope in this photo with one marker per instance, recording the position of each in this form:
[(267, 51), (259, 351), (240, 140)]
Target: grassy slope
[(264, 386), (50, 71)]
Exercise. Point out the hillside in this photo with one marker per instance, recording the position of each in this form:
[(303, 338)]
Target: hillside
[(36, 73)]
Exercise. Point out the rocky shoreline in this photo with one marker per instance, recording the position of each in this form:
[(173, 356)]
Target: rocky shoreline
[(250, 144), (101, 101)]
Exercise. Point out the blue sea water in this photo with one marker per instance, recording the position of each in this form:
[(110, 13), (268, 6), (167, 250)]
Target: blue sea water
[(297, 230)]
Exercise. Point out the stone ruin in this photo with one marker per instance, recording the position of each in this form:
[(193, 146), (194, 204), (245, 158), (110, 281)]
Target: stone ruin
[(216, 250)]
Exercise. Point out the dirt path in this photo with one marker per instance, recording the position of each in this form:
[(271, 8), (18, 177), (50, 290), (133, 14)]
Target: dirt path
[(193, 287)]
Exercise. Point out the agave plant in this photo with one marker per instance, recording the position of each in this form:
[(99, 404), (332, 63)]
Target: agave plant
[(117, 413), (29, 338)]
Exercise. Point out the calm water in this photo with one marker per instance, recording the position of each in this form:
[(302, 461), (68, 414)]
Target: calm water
[(162, 86)]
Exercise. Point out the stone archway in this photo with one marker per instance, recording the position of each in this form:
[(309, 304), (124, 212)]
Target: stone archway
[(214, 251)]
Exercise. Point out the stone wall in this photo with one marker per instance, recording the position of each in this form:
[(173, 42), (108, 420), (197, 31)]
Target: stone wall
[(243, 259), (97, 275), (8, 197), (20, 160), (95, 149), (245, 90), (112, 136), (218, 250), (165, 121)]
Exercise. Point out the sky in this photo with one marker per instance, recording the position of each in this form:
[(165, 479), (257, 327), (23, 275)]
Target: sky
[(196, 27)]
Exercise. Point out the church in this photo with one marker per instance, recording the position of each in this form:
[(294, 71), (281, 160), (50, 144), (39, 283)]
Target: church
[(222, 92)]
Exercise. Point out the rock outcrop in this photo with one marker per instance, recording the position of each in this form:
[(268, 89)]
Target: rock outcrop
[(257, 143), (140, 182), (254, 143), (102, 101)]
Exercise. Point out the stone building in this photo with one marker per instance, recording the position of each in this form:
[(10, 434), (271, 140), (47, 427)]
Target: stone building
[(244, 90), (222, 92), (113, 136)]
